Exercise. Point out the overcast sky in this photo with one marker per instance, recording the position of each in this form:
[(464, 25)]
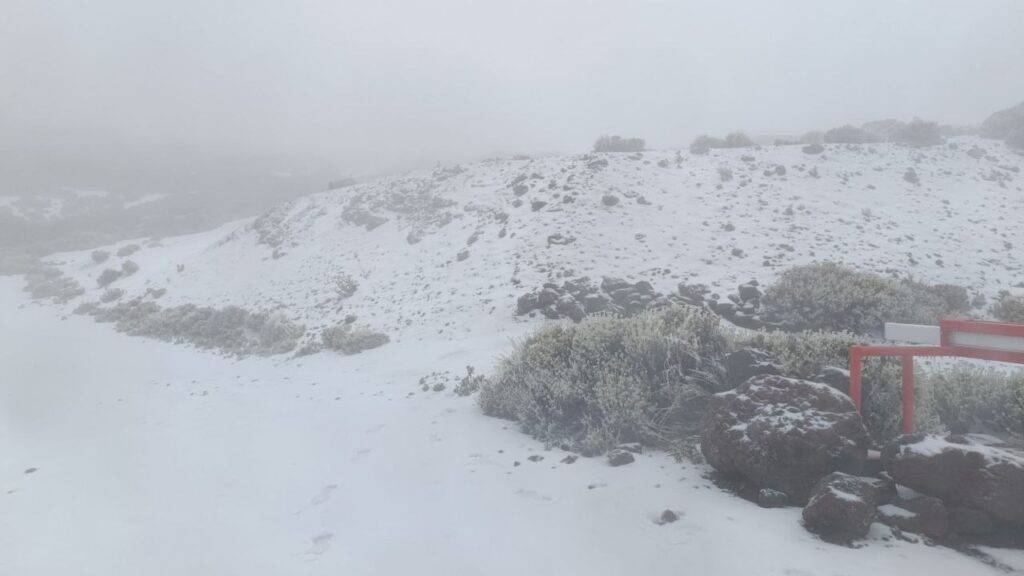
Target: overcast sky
[(378, 84)]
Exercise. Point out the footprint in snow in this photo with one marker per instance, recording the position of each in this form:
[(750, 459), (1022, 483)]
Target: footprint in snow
[(323, 496), (321, 544)]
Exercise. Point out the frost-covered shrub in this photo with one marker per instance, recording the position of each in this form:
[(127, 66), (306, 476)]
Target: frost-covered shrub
[(969, 397), (1015, 139), (128, 267), (99, 256), (738, 140), (470, 383), (1003, 123), (230, 329), (111, 294), (619, 144), (345, 286), (107, 277), (884, 130), (352, 340), (49, 283), (850, 135), (128, 250), (609, 380), (919, 133), (1009, 308), (725, 174), (827, 296), (704, 144)]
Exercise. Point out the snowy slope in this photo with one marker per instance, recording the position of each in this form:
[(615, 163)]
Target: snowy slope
[(156, 460), (675, 220)]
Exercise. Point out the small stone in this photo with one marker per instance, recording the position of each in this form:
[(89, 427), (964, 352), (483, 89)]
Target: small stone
[(569, 459), (620, 457), (668, 516), (30, 470), (535, 458)]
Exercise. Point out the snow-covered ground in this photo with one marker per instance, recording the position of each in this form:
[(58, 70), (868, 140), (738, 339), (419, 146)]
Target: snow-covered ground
[(461, 244), (149, 458), (153, 459)]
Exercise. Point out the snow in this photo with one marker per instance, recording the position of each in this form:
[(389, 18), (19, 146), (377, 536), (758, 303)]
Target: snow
[(933, 445), (892, 511), (154, 459)]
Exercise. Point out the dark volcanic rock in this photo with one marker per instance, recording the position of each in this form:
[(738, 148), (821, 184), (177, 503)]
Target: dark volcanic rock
[(841, 508), (924, 515), (784, 434), (746, 363)]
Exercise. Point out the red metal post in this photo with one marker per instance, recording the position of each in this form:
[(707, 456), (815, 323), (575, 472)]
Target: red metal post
[(855, 375), (908, 394)]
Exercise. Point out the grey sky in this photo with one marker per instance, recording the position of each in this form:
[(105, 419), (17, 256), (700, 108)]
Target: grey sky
[(377, 84)]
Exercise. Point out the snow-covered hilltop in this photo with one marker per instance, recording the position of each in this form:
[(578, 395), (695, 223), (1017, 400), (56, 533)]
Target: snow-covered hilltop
[(445, 253)]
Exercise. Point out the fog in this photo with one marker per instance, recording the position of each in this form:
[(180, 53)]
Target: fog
[(368, 87)]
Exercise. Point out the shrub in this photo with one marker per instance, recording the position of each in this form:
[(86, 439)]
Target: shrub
[(1008, 308), (100, 256), (609, 380), (704, 144), (1003, 123), (111, 294), (1015, 139), (128, 250), (108, 277), (827, 296), (341, 183), (813, 149), (230, 329), (128, 268), (919, 133), (884, 130), (850, 135), (49, 283), (345, 286), (469, 383), (352, 340), (619, 144), (725, 174), (738, 140), (968, 397), (813, 137)]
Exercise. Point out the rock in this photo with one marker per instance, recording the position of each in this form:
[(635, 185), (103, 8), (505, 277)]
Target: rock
[(535, 458), (968, 522), (547, 297), (911, 176), (924, 515), (768, 498), (746, 363), (784, 434), (550, 313), (749, 292), (813, 149), (568, 306), (595, 303), (598, 164), (520, 189), (462, 255), (726, 309), (610, 284), (780, 170), (569, 459), (620, 457), (668, 516), (609, 200), (536, 205), (841, 508), (526, 303), (838, 378), (967, 474)]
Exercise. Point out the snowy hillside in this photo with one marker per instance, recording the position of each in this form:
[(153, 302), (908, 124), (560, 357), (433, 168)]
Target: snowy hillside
[(445, 253)]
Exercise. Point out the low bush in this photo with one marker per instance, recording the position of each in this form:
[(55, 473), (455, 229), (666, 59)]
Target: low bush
[(111, 294), (1015, 139), (352, 340), (703, 144), (108, 277), (49, 283), (128, 267), (827, 296), (969, 397), (850, 135), (609, 380), (231, 329), (1008, 308), (99, 256), (1003, 123), (128, 250), (919, 133), (619, 144)]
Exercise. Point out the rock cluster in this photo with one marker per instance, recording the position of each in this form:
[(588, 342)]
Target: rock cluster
[(575, 299)]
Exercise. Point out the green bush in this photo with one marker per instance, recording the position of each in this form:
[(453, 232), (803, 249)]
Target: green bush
[(1009, 308), (968, 397), (610, 380), (619, 144), (349, 340), (827, 296)]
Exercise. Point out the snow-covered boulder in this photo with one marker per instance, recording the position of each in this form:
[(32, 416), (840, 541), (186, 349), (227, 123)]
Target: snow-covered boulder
[(962, 472), (784, 434), (925, 515), (744, 364), (842, 507)]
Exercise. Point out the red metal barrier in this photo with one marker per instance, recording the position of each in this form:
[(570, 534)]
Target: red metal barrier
[(948, 328)]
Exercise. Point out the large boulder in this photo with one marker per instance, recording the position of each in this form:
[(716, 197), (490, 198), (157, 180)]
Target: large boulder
[(962, 472), (784, 434), (925, 515), (744, 364), (842, 507)]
